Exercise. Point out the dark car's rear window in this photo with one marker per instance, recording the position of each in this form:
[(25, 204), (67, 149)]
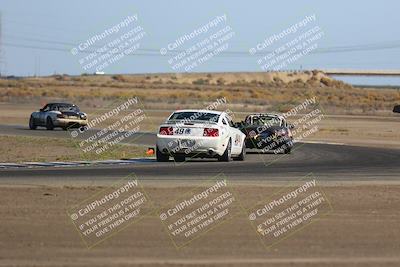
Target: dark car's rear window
[(64, 108)]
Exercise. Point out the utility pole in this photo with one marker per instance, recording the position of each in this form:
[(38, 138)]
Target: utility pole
[(3, 63), (37, 66), (1, 47)]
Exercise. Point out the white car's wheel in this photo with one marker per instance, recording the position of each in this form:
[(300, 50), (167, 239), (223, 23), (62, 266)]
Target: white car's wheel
[(179, 158), (160, 156), (227, 156), (242, 154)]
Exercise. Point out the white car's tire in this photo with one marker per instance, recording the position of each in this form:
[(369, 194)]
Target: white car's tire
[(160, 156), (179, 158), (242, 154), (227, 156)]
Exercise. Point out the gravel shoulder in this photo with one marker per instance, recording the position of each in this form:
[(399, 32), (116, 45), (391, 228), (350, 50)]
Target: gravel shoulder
[(361, 230)]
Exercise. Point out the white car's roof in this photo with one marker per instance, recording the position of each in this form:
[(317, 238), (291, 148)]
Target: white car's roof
[(200, 111)]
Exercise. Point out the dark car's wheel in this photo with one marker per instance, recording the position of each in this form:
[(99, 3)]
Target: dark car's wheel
[(161, 157), (32, 124), (287, 150), (49, 124), (288, 147), (242, 154), (227, 156)]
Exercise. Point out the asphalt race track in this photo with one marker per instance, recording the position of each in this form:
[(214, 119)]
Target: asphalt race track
[(22, 130), (327, 162)]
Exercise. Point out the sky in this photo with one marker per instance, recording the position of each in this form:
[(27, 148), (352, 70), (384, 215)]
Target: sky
[(37, 37)]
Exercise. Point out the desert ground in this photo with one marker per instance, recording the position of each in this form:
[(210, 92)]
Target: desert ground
[(361, 230)]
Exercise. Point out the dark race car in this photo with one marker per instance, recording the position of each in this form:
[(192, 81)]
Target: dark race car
[(269, 132)]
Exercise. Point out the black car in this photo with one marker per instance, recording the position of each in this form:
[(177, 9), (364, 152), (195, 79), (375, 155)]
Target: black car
[(269, 132)]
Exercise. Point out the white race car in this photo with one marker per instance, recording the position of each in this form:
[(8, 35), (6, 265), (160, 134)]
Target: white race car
[(201, 134)]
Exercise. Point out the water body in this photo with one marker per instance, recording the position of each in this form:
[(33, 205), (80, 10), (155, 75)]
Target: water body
[(389, 81)]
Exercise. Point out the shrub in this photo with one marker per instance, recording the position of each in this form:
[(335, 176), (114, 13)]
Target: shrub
[(119, 78), (200, 81)]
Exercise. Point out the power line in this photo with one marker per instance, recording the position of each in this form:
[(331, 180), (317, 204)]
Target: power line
[(42, 27), (155, 52)]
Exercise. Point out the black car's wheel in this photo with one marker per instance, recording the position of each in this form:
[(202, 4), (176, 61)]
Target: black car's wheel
[(161, 157), (288, 147), (242, 154), (49, 124), (32, 124), (227, 156)]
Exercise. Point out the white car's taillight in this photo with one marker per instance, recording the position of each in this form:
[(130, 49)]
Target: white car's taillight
[(211, 132), (166, 131)]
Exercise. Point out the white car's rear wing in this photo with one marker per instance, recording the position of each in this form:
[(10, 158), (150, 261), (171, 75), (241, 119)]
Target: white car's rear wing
[(190, 123)]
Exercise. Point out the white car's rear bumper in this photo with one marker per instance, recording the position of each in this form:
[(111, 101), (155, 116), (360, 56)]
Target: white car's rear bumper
[(191, 145)]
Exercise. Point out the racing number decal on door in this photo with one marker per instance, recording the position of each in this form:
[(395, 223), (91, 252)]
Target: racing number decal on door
[(237, 140)]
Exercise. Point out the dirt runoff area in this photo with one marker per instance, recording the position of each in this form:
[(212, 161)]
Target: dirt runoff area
[(358, 226)]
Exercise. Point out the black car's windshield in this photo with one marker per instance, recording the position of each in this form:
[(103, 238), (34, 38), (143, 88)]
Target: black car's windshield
[(194, 116)]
